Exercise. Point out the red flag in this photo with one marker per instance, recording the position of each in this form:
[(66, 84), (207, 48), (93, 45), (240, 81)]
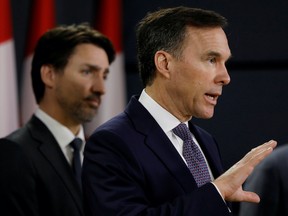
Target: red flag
[(109, 22), (8, 90), (42, 18)]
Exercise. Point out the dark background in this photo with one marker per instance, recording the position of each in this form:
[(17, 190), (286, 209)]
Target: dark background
[(253, 107)]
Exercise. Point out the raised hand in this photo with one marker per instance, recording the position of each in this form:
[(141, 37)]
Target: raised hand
[(230, 183)]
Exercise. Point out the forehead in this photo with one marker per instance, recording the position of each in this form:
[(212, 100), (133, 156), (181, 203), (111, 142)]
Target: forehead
[(89, 53), (88, 49), (207, 40)]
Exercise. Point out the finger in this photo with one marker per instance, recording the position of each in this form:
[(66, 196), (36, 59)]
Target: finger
[(260, 152), (249, 196), (271, 143)]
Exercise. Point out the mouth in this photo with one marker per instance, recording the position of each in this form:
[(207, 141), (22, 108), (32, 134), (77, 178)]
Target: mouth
[(212, 98), (94, 102)]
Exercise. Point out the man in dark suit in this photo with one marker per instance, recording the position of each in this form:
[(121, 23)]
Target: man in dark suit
[(42, 171), (146, 161), (269, 181)]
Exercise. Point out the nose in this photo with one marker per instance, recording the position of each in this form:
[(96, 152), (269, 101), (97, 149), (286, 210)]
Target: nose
[(98, 85), (223, 76)]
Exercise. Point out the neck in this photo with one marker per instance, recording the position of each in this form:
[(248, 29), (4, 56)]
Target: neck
[(62, 118), (166, 101)]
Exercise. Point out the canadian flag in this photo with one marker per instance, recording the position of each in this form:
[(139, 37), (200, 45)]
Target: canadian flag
[(109, 22), (9, 119), (42, 18)]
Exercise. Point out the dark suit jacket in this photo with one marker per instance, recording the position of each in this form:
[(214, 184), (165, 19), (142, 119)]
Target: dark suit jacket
[(270, 181), (38, 179), (131, 168)]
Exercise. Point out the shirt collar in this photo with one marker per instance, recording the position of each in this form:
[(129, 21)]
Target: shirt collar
[(165, 119), (61, 133)]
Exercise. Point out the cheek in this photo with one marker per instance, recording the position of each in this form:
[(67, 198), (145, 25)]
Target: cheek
[(75, 90)]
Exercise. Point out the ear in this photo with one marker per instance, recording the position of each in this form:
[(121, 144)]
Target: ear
[(162, 60), (48, 75)]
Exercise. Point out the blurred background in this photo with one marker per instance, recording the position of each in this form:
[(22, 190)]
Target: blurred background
[(252, 109)]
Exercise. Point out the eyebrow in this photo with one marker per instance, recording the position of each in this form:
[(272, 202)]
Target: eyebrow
[(96, 67), (216, 54)]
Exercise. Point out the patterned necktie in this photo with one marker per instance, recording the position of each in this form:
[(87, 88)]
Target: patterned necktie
[(193, 156), (76, 161)]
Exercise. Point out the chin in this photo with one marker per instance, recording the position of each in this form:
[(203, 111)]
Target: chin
[(86, 116), (206, 115)]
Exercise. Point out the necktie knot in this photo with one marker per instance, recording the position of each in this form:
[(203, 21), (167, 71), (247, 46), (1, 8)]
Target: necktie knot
[(76, 144), (183, 132)]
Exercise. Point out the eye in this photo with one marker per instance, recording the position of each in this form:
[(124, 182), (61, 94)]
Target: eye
[(212, 60), (86, 71), (105, 76)]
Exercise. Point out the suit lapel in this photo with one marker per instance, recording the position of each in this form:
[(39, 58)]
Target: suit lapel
[(160, 144), (50, 150)]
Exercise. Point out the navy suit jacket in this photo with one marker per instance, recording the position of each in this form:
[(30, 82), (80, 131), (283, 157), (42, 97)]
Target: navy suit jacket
[(38, 179), (131, 168)]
